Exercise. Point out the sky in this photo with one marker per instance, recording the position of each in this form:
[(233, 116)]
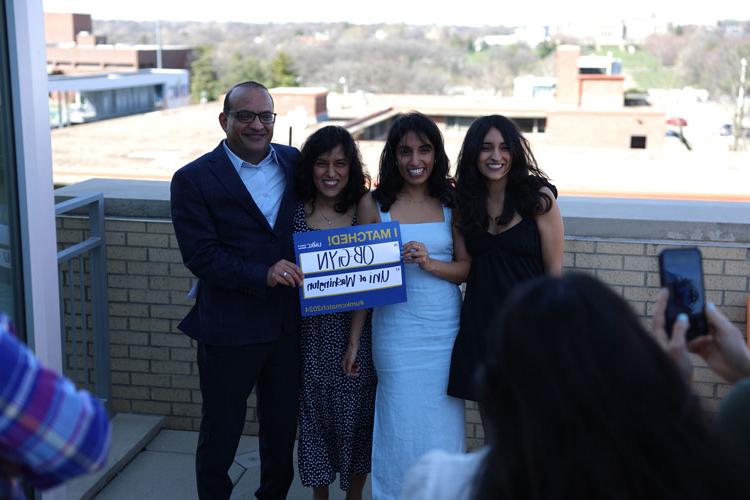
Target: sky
[(446, 12)]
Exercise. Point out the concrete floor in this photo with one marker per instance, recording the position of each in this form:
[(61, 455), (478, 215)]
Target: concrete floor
[(165, 469)]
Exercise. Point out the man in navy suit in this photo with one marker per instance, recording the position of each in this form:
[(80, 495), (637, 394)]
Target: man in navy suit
[(232, 212)]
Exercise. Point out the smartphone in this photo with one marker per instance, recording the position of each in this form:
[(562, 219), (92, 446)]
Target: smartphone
[(681, 271)]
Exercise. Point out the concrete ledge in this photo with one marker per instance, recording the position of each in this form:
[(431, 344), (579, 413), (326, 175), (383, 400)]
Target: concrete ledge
[(130, 434), (124, 198)]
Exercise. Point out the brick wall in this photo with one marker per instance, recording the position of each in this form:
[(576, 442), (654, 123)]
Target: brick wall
[(153, 365)]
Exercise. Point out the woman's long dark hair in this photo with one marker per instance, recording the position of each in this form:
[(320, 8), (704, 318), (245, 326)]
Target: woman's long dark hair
[(582, 403), (323, 141), (390, 182), (525, 178)]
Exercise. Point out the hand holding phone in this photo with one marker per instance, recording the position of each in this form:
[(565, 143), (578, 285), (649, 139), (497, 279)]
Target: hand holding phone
[(681, 272)]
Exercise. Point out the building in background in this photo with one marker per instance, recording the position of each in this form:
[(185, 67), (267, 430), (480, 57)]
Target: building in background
[(73, 48), (85, 98)]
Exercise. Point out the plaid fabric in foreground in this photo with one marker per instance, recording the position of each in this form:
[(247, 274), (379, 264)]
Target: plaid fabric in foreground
[(49, 431)]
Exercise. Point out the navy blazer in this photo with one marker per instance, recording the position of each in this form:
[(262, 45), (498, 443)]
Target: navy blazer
[(228, 244)]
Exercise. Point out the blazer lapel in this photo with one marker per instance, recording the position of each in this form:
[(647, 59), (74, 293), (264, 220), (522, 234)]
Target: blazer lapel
[(288, 198), (230, 179)]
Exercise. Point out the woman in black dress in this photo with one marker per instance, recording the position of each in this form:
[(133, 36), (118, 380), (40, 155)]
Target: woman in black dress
[(512, 227), (336, 411)]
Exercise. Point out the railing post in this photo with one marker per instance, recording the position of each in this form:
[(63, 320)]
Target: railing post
[(100, 327)]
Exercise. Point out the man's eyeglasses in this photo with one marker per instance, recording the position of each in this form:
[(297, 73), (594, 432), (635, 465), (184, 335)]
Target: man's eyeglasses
[(244, 116)]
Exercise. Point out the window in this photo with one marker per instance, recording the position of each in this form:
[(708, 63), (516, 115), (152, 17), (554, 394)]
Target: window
[(637, 142), (11, 276)]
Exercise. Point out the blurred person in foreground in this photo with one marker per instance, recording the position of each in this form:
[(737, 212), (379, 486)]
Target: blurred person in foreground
[(49, 431), (582, 403), (335, 410)]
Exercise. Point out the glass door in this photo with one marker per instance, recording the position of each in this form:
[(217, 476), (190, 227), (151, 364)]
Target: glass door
[(11, 276)]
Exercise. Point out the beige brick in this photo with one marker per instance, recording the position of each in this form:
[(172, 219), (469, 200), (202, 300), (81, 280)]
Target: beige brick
[(728, 253), (596, 261), (162, 283), (713, 266), (568, 259), (169, 311), (634, 278), (472, 416), (176, 395), (149, 296), (641, 264), (714, 296), (118, 350), (67, 236), (639, 308), (185, 381), (147, 352), (178, 423), (126, 226), (164, 227), (653, 280), (170, 339), (116, 266), (170, 367), (129, 392), (186, 410), (735, 268), (125, 281), (640, 294), (120, 405), (723, 282), (180, 271), (127, 253), (704, 390), (151, 380), (114, 238), (706, 375), (180, 298), (180, 354), (122, 378), (735, 298), (250, 428), (164, 255), (149, 324), (117, 295), (580, 246), (734, 313), (621, 248), (128, 309), (148, 240), (129, 365), (75, 222), (148, 268), (127, 337), (152, 407)]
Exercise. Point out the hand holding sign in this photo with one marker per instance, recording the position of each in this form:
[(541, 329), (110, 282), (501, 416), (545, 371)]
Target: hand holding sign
[(285, 273), (350, 268)]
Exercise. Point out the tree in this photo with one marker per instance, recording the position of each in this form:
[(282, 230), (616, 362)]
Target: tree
[(204, 80), (241, 69), (282, 72)]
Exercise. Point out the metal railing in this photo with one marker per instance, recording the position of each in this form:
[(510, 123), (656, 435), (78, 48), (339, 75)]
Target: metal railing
[(82, 270)]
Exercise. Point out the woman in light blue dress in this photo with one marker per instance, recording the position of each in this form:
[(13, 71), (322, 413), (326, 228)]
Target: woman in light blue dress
[(412, 341)]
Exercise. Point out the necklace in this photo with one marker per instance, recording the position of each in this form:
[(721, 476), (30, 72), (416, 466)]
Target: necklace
[(329, 221), (413, 202)]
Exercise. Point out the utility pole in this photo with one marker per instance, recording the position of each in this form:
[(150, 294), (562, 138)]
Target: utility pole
[(739, 116), (158, 44)]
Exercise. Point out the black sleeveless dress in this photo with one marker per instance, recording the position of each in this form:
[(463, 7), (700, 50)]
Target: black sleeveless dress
[(498, 263)]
